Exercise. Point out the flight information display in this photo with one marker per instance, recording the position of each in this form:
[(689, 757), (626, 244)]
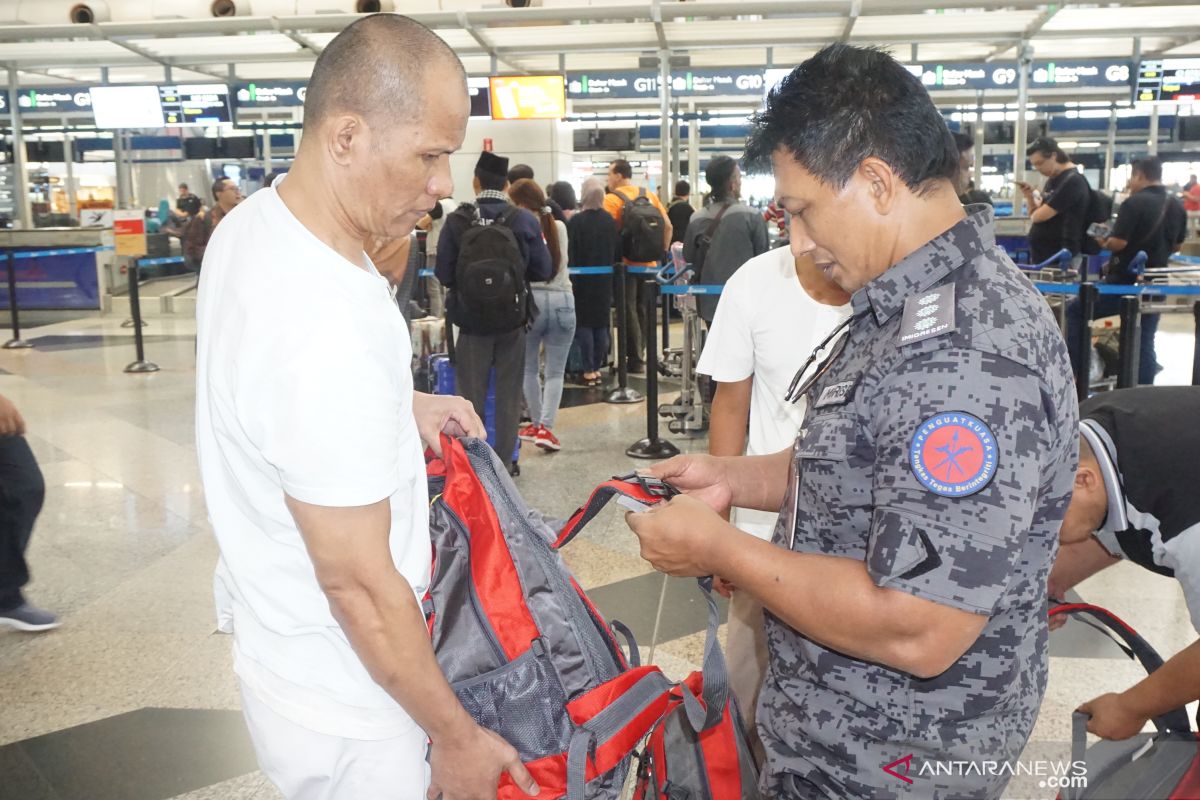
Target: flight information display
[(126, 107), (197, 104), (1168, 80)]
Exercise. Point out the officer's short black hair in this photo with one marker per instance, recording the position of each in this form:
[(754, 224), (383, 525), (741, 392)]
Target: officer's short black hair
[(963, 141), (1150, 168), (375, 68), (520, 172), (682, 188), (718, 175), (846, 104), (622, 168), (1048, 148)]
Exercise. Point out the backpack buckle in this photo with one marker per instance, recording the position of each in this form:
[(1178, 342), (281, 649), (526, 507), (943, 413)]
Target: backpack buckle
[(649, 484)]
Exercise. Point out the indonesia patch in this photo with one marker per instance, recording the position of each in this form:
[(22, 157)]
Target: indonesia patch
[(953, 454)]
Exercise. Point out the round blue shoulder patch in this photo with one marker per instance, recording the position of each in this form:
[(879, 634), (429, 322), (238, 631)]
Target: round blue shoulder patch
[(953, 454)]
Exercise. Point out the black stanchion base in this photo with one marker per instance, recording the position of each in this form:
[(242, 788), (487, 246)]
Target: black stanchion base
[(652, 449), (129, 323), (17, 344), (142, 366), (625, 396)]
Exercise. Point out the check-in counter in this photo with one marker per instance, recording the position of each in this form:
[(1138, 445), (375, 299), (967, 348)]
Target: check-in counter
[(57, 267)]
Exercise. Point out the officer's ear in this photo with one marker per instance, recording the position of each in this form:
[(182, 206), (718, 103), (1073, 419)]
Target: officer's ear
[(880, 182)]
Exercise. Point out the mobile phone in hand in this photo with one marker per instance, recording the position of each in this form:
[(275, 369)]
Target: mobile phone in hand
[(1098, 230)]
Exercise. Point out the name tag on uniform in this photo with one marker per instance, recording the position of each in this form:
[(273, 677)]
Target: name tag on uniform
[(928, 315), (836, 394)]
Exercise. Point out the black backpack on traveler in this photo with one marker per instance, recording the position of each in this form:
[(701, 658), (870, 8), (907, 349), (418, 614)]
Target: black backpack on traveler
[(491, 295), (641, 228), (1099, 210)]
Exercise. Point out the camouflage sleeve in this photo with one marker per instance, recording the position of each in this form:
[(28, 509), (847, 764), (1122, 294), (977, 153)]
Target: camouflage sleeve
[(958, 441)]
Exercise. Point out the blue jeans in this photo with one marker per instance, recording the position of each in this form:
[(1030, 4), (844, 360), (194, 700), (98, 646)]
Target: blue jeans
[(593, 347), (1108, 305), (555, 328)]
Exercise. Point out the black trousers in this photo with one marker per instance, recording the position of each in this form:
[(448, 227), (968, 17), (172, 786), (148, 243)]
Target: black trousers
[(22, 491), (474, 359)]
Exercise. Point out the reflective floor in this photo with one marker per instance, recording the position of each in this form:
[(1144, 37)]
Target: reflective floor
[(134, 697)]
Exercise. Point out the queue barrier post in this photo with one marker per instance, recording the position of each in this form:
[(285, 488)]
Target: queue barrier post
[(16, 342), (622, 395), (652, 447), (141, 365), (1196, 345), (1130, 342), (1087, 299)]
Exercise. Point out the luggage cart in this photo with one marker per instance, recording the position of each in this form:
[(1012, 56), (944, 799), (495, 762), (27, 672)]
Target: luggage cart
[(688, 413)]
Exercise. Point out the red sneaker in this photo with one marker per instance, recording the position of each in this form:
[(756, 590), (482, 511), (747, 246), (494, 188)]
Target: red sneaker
[(528, 433), (547, 440)]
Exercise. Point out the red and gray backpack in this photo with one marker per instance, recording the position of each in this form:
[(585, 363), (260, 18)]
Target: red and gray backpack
[(525, 651), (1164, 765)]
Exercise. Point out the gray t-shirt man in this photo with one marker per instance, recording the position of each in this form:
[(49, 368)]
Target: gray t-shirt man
[(740, 235)]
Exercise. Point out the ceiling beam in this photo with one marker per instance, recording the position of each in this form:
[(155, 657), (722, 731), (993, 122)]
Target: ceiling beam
[(659, 31), (298, 38), (1033, 29), (851, 18), (487, 46)]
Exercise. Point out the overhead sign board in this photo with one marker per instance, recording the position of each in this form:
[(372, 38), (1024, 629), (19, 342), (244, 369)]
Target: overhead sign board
[(1004, 75), (528, 97), (65, 100), (1087, 72), (198, 104), (643, 84), (1168, 80), (270, 94)]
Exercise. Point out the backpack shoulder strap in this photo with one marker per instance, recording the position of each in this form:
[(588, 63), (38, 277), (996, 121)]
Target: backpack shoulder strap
[(625, 199), (641, 192), (508, 216)]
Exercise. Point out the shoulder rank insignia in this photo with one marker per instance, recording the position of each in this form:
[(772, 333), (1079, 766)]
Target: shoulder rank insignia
[(928, 314)]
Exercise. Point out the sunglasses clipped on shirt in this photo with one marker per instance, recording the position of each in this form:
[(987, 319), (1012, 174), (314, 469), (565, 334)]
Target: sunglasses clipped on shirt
[(831, 349)]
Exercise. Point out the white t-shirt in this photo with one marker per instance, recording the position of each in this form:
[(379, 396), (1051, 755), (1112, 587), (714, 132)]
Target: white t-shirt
[(303, 386), (766, 325)]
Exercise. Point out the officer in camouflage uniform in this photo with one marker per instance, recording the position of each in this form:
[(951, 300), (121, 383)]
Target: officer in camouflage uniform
[(923, 498)]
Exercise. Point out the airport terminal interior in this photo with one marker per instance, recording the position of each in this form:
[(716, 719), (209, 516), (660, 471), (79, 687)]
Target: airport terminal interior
[(121, 118)]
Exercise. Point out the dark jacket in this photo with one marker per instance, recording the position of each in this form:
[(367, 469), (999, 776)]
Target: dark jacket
[(592, 242), (526, 229)]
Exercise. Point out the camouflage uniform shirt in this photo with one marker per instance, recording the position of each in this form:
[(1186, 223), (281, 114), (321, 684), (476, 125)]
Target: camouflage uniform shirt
[(939, 448)]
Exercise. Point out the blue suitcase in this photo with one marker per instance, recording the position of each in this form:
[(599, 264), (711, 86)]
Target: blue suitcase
[(441, 378)]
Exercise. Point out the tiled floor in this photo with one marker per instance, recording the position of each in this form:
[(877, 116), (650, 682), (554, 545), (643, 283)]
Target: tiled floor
[(133, 698)]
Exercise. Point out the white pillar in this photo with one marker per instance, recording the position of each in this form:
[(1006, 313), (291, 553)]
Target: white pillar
[(664, 129), (20, 178), (1024, 62), (694, 152), (1153, 129), (1110, 151), (69, 158)]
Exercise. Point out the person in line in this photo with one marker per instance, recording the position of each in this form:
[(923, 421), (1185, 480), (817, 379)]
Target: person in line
[(1058, 220), (432, 224), (563, 194), (964, 183), (525, 172), (621, 193), (1135, 498), (593, 242), (679, 210), (774, 309), (309, 436), (481, 349), (194, 231), (554, 327), (1153, 221), (22, 491), (724, 234), (226, 196), (921, 502)]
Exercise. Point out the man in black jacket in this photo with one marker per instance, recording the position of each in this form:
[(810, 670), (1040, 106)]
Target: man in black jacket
[(1135, 497), (478, 351), (1150, 221)]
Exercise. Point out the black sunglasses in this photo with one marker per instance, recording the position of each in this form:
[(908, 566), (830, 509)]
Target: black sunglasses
[(796, 389)]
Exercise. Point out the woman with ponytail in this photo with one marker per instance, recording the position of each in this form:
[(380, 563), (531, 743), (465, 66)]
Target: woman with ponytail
[(554, 326)]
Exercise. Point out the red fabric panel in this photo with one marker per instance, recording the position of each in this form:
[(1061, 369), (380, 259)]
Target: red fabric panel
[(496, 581), (601, 495), (549, 772), (721, 760), (1189, 784), (1065, 607), (588, 705)]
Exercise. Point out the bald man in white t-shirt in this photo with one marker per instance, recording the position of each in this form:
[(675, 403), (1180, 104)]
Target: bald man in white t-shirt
[(773, 313), (310, 440)]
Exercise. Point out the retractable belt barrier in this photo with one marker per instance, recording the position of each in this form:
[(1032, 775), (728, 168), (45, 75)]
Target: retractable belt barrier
[(10, 258), (158, 262)]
